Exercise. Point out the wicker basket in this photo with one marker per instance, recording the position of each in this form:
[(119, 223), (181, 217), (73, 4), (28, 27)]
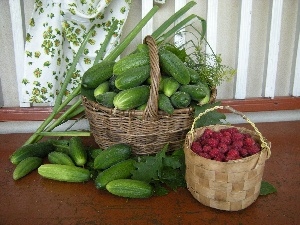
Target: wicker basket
[(232, 185), (146, 131)]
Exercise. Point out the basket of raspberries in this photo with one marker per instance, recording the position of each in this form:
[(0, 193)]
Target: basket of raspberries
[(225, 164)]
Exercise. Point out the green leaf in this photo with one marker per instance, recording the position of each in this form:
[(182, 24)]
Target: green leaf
[(173, 178), (211, 118), (149, 167), (266, 188)]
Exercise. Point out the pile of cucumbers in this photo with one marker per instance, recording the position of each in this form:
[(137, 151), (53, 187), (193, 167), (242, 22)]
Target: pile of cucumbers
[(125, 84), (71, 161)]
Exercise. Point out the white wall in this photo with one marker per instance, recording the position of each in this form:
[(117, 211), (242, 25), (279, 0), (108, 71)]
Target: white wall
[(227, 43)]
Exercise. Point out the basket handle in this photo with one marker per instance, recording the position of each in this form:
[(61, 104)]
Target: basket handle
[(151, 110), (264, 144)]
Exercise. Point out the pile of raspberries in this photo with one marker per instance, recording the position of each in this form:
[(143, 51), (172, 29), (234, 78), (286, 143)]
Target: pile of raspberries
[(224, 145)]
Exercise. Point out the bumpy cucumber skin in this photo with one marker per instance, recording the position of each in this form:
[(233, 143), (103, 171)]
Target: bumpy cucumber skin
[(112, 155), (129, 188), (26, 166), (39, 149), (132, 98), (106, 99), (119, 170), (132, 77), (173, 66), (60, 158), (196, 91), (64, 173), (77, 151), (195, 77), (170, 86), (97, 74), (164, 104), (131, 61), (102, 88), (180, 99)]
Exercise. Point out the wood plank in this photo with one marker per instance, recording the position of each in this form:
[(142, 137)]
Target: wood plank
[(247, 105)]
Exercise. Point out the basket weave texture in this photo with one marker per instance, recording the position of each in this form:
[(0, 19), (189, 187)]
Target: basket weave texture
[(146, 131), (230, 186)]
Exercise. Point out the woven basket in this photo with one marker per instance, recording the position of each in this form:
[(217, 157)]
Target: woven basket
[(232, 185), (146, 131)]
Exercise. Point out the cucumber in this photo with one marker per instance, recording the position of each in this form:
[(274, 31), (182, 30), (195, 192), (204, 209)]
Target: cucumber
[(112, 86), (39, 149), (164, 104), (132, 77), (143, 48), (97, 74), (106, 99), (60, 158), (61, 145), (180, 99), (26, 166), (132, 98), (64, 173), (88, 93), (207, 91), (112, 155), (120, 170), (173, 66), (196, 91), (93, 153), (77, 151), (170, 86), (129, 188), (102, 88), (131, 61), (195, 78)]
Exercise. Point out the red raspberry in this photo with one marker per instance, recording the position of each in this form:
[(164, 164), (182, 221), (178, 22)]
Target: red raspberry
[(232, 130), (216, 135), (206, 148), (237, 137), (243, 152), (226, 140), (207, 133), (196, 147), (212, 142), (214, 152), (253, 149), (220, 157), (232, 155), (226, 133), (237, 144), (205, 155), (223, 148), (248, 141)]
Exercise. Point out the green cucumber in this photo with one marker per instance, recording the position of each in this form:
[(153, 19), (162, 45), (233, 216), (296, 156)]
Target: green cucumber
[(143, 48), (195, 78), (120, 170), (88, 93), (132, 98), (112, 155), (106, 99), (60, 158), (102, 88), (196, 91), (131, 61), (170, 86), (77, 151), (129, 188), (164, 104), (132, 77), (180, 99), (26, 166), (97, 74), (173, 66), (38, 149), (65, 173), (112, 86)]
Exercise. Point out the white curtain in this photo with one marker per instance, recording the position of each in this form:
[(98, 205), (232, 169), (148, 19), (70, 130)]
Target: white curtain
[(54, 35)]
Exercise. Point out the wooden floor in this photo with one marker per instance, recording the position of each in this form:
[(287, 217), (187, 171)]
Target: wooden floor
[(34, 200)]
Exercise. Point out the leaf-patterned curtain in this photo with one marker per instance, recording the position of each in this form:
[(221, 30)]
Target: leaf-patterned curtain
[(55, 32)]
